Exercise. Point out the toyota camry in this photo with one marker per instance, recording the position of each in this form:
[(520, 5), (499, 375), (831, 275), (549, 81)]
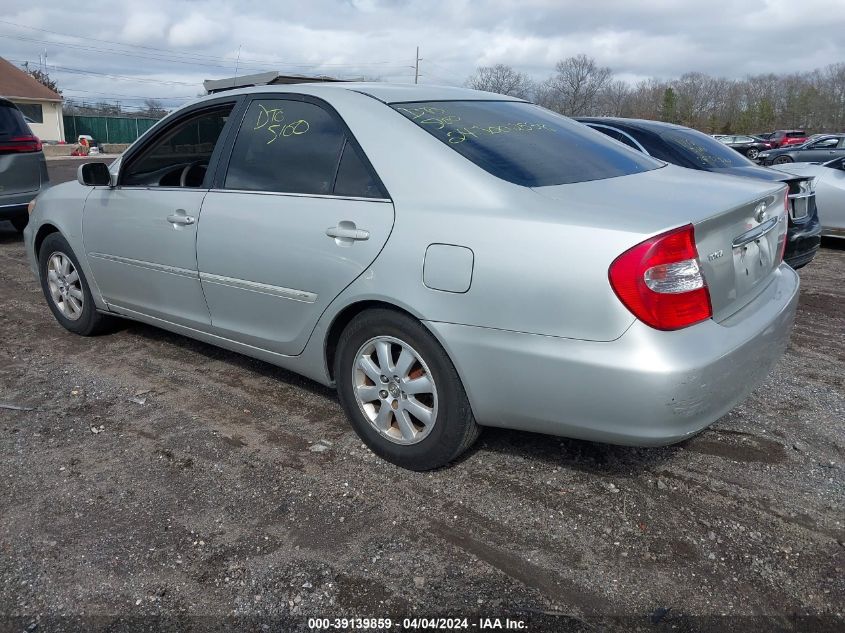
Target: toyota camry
[(448, 259)]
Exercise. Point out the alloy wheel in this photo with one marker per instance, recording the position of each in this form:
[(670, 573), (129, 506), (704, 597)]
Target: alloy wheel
[(753, 153), (395, 390), (65, 286)]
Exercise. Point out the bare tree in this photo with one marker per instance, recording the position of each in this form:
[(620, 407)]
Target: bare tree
[(813, 100), (41, 77), (154, 109), (503, 80), (614, 99), (575, 87)]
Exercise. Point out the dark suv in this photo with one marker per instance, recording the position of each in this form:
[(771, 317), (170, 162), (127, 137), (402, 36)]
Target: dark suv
[(23, 168)]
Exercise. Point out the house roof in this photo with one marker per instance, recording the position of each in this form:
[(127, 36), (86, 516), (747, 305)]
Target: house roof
[(16, 83)]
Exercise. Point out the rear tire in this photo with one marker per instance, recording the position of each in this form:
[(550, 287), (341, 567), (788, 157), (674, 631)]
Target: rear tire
[(753, 153), (401, 391), (782, 160), (66, 288), (20, 222)]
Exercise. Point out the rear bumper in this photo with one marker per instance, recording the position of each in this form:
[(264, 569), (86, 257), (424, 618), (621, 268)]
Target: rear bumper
[(646, 388), (12, 209), (803, 242)]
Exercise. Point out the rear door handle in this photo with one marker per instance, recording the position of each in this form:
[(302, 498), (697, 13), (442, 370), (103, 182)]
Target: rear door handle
[(183, 220), (343, 231)]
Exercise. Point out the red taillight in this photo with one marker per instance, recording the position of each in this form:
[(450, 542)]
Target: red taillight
[(20, 144), (660, 281)]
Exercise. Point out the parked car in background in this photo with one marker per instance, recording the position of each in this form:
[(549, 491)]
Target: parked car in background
[(695, 150), (23, 168), (782, 138), (447, 258), (829, 181), (763, 135), (822, 149), (747, 145)]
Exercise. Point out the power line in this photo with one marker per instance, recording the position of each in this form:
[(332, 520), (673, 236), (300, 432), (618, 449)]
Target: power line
[(125, 96), (79, 71), (168, 55)]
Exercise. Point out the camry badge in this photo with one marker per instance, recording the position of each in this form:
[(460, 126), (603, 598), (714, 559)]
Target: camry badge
[(715, 255)]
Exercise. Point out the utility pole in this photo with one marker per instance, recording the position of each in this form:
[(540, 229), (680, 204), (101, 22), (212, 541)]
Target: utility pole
[(238, 61), (417, 67)]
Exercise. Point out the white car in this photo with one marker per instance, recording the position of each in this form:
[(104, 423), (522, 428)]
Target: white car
[(829, 180)]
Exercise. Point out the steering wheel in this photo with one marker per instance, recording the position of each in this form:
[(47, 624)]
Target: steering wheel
[(183, 177)]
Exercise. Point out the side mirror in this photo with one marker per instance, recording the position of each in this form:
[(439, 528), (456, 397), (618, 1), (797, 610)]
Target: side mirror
[(94, 175)]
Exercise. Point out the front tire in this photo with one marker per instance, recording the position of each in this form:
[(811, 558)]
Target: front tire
[(401, 391), (66, 289), (781, 160)]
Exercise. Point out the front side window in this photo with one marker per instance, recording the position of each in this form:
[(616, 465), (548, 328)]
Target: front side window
[(524, 143), (827, 143), (179, 158)]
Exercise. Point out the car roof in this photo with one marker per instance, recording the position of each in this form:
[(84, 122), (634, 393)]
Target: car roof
[(384, 92)]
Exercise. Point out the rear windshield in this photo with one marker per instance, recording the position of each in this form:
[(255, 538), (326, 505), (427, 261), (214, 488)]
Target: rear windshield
[(702, 151), (524, 143), (12, 122)]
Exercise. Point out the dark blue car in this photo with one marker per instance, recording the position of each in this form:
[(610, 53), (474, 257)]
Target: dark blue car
[(690, 148)]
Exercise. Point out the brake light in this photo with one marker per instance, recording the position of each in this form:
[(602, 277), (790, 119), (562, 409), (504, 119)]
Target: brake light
[(660, 281), (20, 144)]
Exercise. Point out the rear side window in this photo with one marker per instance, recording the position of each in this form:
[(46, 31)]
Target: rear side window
[(616, 135), (524, 143), (12, 122), (796, 134), (354, 178), (291, 146)]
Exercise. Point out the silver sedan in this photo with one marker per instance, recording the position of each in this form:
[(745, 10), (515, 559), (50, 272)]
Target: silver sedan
[(829, 183), (449, 259)]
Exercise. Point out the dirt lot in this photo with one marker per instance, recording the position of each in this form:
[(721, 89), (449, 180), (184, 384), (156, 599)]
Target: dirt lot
[(163, 484)]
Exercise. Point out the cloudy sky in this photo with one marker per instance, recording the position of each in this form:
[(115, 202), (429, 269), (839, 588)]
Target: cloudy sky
[(114, 49)]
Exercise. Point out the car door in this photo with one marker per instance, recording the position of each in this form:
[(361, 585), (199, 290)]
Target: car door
[(297, 214), (830, 197), (822, 150), (140, 235)]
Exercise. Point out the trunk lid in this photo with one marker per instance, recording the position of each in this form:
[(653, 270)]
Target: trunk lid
[(725, 211), (740, 250)]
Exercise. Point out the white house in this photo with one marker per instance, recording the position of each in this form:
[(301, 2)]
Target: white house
[(41, 106)]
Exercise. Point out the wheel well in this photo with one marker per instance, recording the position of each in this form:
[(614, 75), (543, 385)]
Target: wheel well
[(43, 232), (344, 318)]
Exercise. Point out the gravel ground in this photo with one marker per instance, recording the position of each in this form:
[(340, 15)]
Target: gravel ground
[(159, 483)]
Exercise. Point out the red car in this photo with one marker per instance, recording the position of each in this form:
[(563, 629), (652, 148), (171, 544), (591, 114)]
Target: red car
[(782, 138)]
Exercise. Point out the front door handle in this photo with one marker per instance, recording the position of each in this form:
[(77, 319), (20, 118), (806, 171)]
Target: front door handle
[(345, 233), (181, 219)]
